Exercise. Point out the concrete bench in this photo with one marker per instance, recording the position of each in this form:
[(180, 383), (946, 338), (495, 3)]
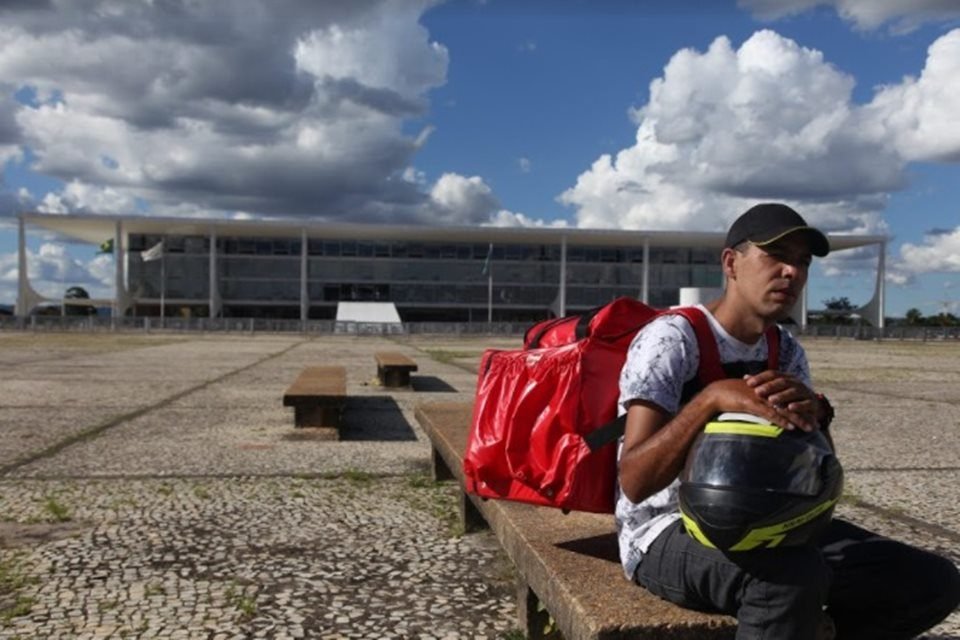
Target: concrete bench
[(393, 368), (568, 563), (318, 396)]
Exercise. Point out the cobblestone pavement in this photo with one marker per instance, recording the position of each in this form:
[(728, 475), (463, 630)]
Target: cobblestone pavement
[(355, 557), (152, 486)]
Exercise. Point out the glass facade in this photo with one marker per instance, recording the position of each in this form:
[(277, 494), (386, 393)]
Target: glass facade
[(426, 280)]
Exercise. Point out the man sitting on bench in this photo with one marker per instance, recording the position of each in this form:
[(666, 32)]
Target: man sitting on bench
[(855, 581)]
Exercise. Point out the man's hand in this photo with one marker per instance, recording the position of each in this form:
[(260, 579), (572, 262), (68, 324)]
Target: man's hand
[(788, 396)]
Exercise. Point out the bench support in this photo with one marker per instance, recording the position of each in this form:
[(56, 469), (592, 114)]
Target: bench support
[(533, 617), (441, 471), (392, 377), (393, 369), (316, 416), (470, 516)]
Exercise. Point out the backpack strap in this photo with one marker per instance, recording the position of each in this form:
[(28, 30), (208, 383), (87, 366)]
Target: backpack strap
[(710, 368), (582, 329), (603, 435), (773, 347)]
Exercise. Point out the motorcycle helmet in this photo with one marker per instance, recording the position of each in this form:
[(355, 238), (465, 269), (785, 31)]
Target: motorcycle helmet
[(747, 484)]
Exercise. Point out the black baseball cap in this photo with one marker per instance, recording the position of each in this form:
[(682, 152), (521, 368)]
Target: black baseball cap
[(768, 222)]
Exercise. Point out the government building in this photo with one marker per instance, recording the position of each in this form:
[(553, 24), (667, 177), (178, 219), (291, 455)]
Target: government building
[(303, 269)]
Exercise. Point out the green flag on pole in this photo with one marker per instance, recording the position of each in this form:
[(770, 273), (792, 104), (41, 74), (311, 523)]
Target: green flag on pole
[(106, 246)]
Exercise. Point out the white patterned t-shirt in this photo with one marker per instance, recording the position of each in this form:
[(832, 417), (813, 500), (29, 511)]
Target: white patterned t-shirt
[(662, 358)]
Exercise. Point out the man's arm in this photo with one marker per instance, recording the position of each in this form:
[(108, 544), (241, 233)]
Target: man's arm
[(655, 445)]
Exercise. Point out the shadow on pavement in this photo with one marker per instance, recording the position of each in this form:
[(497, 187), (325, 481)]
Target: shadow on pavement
[(431, 383), (374, 418)]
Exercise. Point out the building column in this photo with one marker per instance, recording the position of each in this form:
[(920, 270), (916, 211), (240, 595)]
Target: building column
[(304, 289), (562, 310), (27, 297), (214, 309), (645, 285), (118, 282), (882, 285), (874, 311), (22, 282), (804, 306)]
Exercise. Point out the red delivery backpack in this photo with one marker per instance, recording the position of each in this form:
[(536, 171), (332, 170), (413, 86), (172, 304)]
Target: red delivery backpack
[(543, 415)]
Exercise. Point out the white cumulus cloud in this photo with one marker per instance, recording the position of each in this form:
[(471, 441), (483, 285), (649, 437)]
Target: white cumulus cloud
[(279, 107), (727, 127), (902, 15), (462, 200), (923, 114), (939, 252)]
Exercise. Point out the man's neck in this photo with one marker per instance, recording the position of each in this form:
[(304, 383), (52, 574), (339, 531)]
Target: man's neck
[(737, 320)]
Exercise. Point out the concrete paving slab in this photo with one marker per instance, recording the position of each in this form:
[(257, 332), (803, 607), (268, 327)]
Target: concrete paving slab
[(932, 497), (240, 441), (30, 429), (119, 393), (880, 431)]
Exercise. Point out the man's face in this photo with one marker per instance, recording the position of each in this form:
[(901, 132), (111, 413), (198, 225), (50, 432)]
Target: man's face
[(772, 277)]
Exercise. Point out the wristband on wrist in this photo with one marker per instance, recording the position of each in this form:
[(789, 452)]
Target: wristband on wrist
[(828, 412)]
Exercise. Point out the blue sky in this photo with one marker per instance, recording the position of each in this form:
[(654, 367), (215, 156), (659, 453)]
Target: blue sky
[(615, 114)]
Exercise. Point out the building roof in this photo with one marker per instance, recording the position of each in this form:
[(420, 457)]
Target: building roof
[(97, 228)]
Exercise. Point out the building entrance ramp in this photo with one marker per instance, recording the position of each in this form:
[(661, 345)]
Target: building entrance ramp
[(367, 312), (368, 317)]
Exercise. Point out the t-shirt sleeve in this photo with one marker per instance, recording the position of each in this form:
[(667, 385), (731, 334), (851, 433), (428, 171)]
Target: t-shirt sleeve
[(661, 358)]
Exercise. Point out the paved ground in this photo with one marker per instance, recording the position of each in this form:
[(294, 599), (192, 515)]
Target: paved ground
[(152, 486)]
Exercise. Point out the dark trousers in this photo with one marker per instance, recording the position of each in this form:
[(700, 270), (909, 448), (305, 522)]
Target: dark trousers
[(871, 586)]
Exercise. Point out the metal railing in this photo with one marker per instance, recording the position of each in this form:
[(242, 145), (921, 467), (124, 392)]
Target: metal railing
[(94, 324), (332, 327)]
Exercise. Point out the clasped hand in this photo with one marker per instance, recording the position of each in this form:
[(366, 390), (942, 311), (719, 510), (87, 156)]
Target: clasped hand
[(775, 396)]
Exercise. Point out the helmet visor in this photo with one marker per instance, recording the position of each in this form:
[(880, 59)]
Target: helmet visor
[(787, 463)]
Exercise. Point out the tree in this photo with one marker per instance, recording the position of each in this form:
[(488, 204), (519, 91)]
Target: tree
[(78, 293), (944, 319), (838, 304), (913, 316), (839, 310)]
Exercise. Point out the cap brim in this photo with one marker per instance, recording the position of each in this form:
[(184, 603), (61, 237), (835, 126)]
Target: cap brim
[(819, 245)]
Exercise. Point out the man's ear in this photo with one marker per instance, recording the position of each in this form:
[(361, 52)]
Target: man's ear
[(728, 260)]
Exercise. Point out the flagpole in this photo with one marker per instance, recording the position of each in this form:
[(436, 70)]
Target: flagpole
[(490, 296), (488, 270)]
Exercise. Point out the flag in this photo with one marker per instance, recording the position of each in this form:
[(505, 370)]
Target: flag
[(153, 253), (106, 246), (486, 262)]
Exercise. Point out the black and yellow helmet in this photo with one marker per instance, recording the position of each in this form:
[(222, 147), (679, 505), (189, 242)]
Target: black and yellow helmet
[(748, 485)]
